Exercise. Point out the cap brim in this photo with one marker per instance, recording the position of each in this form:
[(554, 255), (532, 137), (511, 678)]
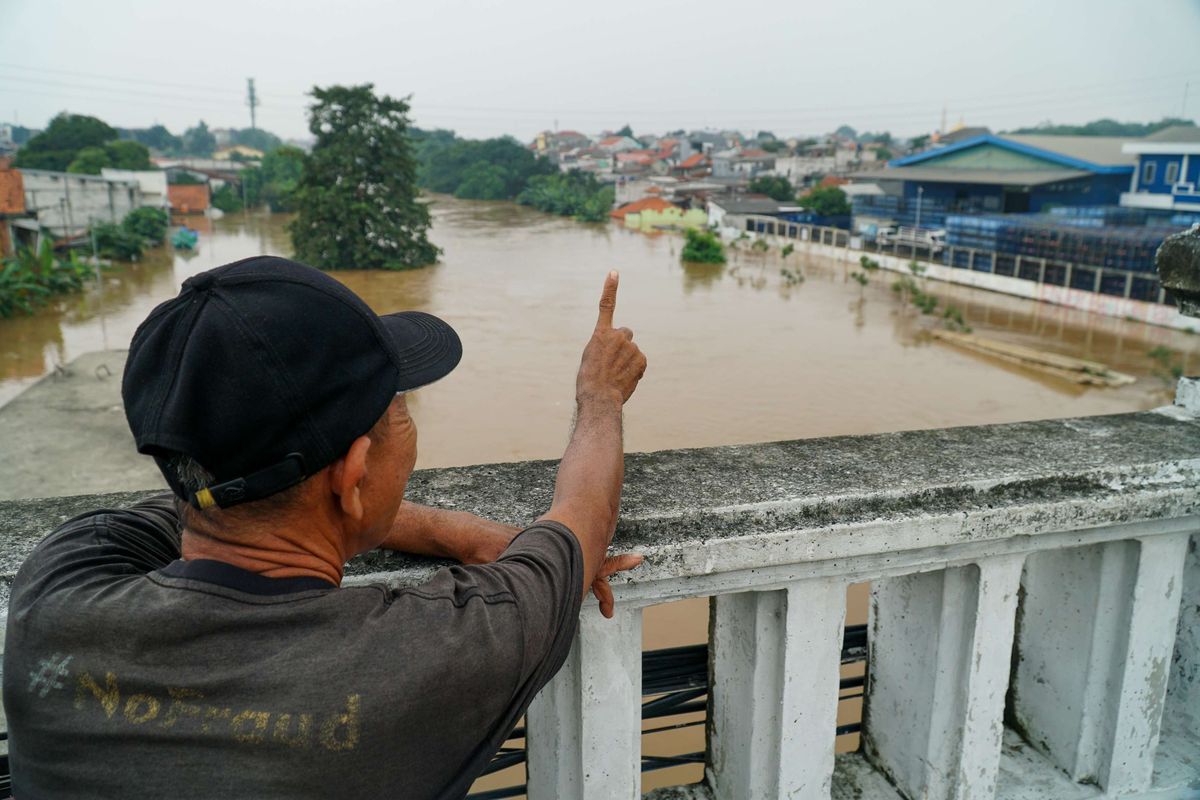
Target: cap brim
[(428, 347)]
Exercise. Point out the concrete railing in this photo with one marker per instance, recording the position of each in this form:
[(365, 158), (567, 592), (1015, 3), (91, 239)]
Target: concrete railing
[(1026, 638)]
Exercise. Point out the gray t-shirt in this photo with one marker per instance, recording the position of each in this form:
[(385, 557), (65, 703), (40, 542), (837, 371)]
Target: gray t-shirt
[(130, 673)]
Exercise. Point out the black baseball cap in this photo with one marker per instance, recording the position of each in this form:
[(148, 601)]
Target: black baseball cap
[(264, 371)]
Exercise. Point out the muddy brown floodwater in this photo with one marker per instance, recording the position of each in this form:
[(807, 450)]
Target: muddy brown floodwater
[(735, 354)]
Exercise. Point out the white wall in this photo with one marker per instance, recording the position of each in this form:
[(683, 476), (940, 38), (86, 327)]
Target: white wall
[(67, 203)]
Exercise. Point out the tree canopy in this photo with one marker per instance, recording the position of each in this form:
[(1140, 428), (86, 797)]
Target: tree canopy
[(357, 198), (487, 169), (256, 138), (775, 187), (156, 137), (1107, 127), (57, 146), (828, 201), (199, 141)]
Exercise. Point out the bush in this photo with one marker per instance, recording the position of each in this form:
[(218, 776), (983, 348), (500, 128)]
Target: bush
[(828, 201), (227, 199), (569, 194), (149, 223), (702, 247), (115, 242), (28, 280)]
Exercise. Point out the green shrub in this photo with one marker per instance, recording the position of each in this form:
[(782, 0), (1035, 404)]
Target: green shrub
[(28, 280), (227, 199), (149, 223), (702, 247), (115, 242)]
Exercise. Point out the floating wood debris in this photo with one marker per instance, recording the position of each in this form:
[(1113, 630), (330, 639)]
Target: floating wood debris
[(1076, 370)]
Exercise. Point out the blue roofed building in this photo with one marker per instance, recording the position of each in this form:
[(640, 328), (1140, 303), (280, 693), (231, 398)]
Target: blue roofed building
[(990, 174), (1167, 177)]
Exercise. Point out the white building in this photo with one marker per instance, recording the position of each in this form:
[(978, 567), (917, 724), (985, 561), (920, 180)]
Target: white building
[(67, 204), (153, 183)]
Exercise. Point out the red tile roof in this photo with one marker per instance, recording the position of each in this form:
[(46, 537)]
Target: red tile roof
[(833, 180), (693, 161), (645, 204), (12, 190), (611, 140)]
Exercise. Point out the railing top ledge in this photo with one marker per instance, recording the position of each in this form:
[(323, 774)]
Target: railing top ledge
[(1054, 475)]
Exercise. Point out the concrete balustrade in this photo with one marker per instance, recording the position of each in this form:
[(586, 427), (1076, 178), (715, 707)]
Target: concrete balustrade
[(1026, 637)]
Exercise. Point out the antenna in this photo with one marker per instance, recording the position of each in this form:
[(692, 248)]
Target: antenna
[(252, 101)]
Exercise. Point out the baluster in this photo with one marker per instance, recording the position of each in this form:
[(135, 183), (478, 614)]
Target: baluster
[(1097, 634), (584, 728), (775, 667), (941, 645)]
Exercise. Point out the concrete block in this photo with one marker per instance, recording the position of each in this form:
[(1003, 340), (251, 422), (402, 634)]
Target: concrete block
[(940, 646), (1095, 636), (775, 660), (584, 727)]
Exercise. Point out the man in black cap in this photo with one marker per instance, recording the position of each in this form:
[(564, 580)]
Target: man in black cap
[(200, 646)]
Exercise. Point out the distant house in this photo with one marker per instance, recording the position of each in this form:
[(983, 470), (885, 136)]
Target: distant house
[(246, 153), (697, 165), (1010, 174), (748, 163), (189, 198), (1167, 176), (618, 144), (12, 207)]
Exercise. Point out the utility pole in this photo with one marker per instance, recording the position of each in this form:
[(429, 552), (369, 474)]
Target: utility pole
[(252, 101)]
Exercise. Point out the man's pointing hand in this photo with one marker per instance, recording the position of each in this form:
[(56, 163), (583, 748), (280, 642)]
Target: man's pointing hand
[(612, 364)]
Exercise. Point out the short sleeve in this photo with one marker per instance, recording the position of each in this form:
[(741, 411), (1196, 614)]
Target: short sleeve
[(101, 544), (542, 574)]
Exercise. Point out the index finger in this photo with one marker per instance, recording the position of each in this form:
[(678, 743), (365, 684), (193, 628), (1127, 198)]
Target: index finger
[(608, 301)]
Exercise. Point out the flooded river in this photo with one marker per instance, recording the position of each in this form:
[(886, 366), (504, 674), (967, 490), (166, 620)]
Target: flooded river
[(735, 354)]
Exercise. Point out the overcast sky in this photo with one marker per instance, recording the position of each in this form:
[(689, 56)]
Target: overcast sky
[(519, 66)]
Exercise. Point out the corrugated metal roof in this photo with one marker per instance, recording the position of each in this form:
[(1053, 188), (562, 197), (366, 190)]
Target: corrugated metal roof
[(1104, 150), (1176, 134), (1004, 177)]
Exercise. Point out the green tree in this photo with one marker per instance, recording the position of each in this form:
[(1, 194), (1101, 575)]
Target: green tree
[(702, 247), (846, 131), (1107, 127), (625, 131), (919, 142), (89, 161), (199, 141), (256, 138), (775, 187), (156, 137), (828, 201), (149, 223), (57, 146), (357, 200), (126, 154), (569, 194), (483, 181), (282, 169), (227, 198)]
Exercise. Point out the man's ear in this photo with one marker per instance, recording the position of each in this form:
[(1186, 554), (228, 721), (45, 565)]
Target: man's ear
[(346, 477)]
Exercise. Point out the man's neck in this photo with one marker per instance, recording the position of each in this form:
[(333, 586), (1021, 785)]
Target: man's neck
[(285, 552)]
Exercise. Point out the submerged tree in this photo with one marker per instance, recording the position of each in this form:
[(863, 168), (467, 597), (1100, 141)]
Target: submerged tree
[(357, 198)]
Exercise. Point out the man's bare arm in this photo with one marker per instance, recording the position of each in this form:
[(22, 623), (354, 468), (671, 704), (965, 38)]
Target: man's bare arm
[(587, 492), (439, 532)]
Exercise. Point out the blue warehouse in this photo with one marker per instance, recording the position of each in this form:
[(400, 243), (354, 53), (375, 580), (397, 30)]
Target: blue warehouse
[(991, 174), (1167, 178)]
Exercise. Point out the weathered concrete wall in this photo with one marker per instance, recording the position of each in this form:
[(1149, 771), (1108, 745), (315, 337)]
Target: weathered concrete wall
[(67, 203)]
